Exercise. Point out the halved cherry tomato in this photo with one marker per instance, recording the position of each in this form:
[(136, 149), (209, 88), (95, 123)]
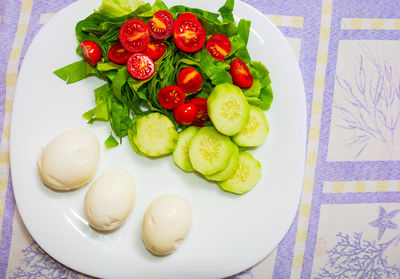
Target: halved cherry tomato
[(189, 80), (202, 114), (155, 50), (140, 66), (134, 35), (118, 54), (186, 113), (219, 46), (91, 51), (240, 73), (189, 34), (160, 25), (171, 97)]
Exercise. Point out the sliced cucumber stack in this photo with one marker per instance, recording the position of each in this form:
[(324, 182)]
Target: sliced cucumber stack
[(181, 153), (245, 177), (153, 135), (229, 170), (210, 151), (218, 152), (256, 130), (228, 109)]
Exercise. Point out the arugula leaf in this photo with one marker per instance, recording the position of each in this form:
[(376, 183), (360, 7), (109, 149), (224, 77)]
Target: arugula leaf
[(136, 101), (111, 142), (90, 28), (76, 71), (102, 94), (99, 113), (180, 9), (107, 66), (119, 117), (119, 81), (226, 11)]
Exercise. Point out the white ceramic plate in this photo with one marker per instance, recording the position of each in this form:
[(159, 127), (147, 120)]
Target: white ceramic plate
[(229, 233)]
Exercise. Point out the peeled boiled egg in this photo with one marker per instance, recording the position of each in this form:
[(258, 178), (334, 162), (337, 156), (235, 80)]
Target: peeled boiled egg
[(109, 200), (166, 222), (70, 160)]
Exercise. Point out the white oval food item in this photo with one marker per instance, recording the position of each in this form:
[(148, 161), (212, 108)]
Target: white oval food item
[(166, 222), (109, 200), (70, 160)]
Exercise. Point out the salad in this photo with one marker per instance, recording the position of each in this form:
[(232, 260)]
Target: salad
[(180, 81)]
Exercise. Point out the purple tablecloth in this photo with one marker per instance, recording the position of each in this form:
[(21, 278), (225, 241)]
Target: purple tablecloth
[(348, 221)]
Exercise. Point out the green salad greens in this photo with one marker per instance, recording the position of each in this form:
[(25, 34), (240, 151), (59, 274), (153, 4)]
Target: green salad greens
[(123, 97)]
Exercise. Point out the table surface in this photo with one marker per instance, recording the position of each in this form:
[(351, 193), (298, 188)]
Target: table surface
[(348, 220)]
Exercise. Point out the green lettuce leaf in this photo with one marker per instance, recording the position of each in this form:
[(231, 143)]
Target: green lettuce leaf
[(261, 72), (116, 8), (266, 96), (215, 70), (254, 90), (244, 30), (255, 101), (209, 20)]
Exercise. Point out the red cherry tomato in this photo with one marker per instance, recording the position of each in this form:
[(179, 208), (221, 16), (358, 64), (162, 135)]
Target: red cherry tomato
[(171, 96), (219, 46), (189, 15), (202, 114), (186, 113), (140, 66), (189, 34), (155, 50), (91, 51), (240, 73), (160, 25), (134, 35), (118, 54), (189, 80)]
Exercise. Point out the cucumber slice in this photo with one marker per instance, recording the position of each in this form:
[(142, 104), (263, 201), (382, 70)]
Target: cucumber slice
[(228, 109), (131, 134), (154, 135), (256, 130), (230, 169), (210, 151), (181, 153), (246, 176)]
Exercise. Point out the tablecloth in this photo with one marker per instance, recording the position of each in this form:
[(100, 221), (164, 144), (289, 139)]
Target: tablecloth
[(348, 221)]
